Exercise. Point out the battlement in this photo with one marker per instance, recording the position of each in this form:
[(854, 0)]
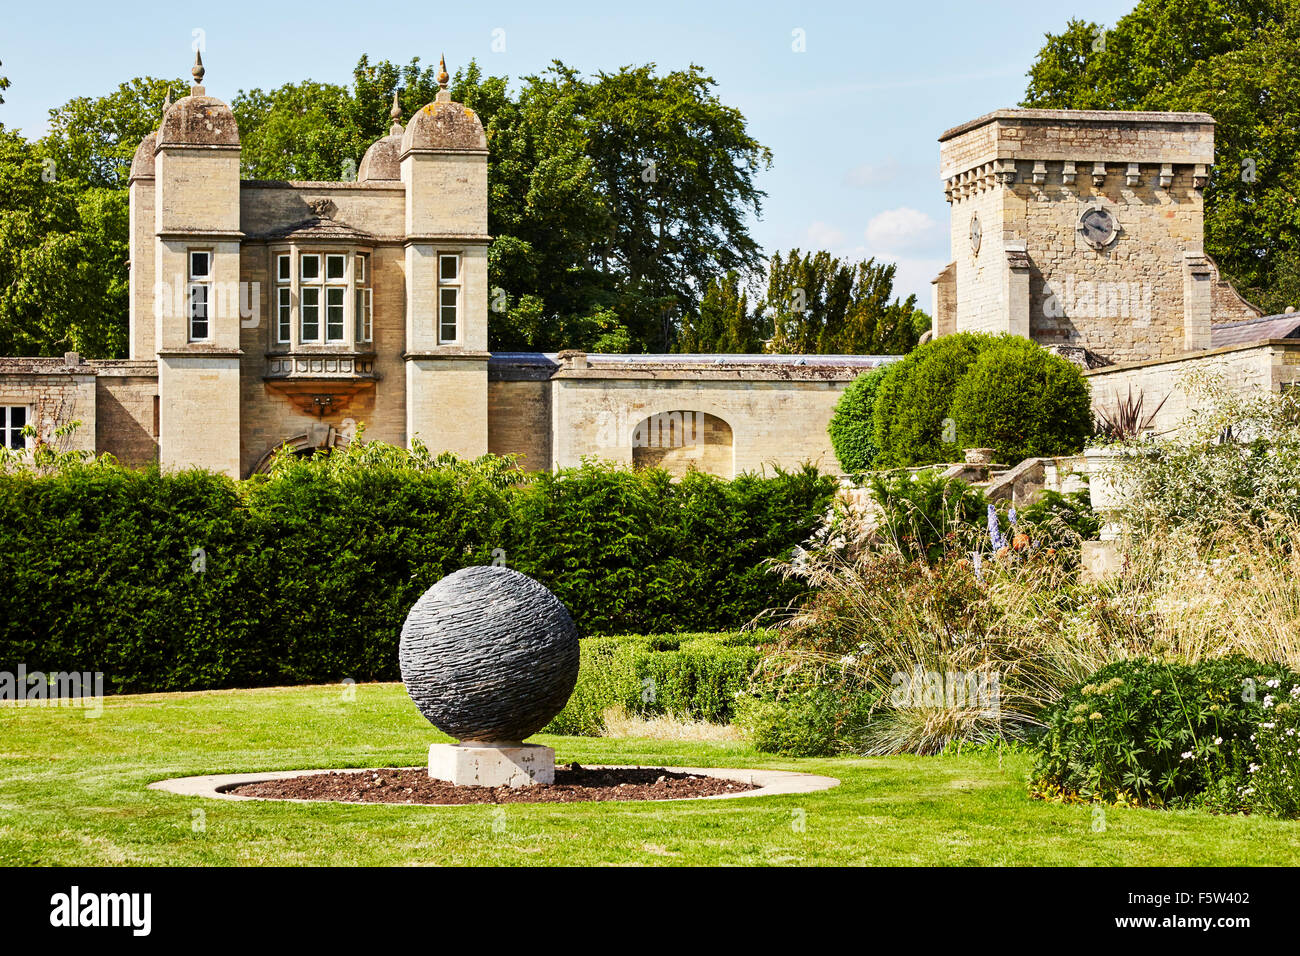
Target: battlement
[(1018, 145)]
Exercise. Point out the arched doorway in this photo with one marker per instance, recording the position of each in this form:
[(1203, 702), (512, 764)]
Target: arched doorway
[(318, 438), (677, 440)]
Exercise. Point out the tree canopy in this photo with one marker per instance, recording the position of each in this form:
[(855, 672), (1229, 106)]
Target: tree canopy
[(819, 304)]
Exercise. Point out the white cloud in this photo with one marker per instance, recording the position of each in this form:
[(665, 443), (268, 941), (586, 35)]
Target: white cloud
[(907, 237), (822, 235), (901, 230)]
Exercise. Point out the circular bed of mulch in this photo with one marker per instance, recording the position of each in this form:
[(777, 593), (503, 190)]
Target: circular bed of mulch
[(573, 784)]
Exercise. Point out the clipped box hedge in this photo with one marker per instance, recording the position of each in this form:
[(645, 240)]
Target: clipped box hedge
[(688, 676)]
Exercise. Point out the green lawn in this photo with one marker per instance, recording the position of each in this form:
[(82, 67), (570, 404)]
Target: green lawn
[(73, 791)]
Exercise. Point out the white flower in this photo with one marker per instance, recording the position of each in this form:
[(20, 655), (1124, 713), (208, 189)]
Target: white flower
[(1217, 741), (1272, 683), (1188, 755)]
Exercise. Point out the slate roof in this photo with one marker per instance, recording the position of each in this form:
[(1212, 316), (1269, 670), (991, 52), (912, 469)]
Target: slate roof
[(1285, 326)]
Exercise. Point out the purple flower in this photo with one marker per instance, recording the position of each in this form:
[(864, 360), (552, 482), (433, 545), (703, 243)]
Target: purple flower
[(995, 535)]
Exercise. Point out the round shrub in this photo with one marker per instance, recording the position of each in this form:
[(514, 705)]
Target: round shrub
[(915, 397), (1026, 403), (1156, 733), (850, 426)]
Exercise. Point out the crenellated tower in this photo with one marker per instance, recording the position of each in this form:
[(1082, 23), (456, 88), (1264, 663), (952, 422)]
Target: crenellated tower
[(1080, 228)]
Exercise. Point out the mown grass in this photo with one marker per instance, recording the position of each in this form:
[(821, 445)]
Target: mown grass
[(73, 791)]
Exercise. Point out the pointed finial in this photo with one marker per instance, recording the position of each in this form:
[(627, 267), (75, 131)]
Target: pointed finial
[(396, 114), (167, 102), (442, 71), (196, 72)]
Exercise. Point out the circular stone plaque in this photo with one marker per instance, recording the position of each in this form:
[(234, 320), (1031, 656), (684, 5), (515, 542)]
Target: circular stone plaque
[(489, 655)]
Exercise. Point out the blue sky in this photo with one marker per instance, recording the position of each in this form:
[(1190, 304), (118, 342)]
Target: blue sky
[(852, 121)]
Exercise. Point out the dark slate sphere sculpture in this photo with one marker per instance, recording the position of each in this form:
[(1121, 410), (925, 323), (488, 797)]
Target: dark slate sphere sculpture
[(489, 655)]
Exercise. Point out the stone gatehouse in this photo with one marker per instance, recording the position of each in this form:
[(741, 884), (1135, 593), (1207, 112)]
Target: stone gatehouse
[(266, 314)]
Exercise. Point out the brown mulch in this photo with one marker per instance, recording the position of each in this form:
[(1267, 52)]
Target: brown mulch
[(573, 784)]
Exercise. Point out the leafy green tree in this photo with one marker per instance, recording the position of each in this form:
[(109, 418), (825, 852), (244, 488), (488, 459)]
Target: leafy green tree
[(4, 85), (820, 305), (547, 216), (676, 169), (299, 131), (1230, 58), (63, 281), (94, 138), (724, 323)]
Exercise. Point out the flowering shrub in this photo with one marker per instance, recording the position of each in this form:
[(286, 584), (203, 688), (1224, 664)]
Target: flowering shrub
[(1273, 777), (923, 515), (1231, 461), (1155, 733)]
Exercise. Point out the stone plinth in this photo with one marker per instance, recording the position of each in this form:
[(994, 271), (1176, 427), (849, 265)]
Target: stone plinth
[(492, 765)]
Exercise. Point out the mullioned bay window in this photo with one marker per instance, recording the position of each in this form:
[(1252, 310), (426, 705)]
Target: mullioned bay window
[(321, 297)]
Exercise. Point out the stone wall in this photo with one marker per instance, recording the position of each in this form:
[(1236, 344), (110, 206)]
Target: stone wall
[(519, 422), (1272, 365), (54, 393), (781, 422), (376, 208), (945, 301), (126, 411)]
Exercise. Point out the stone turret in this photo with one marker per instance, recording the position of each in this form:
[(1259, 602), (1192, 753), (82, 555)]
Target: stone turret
[(197, 291), (141, 188), (384, 157), (444, 170)]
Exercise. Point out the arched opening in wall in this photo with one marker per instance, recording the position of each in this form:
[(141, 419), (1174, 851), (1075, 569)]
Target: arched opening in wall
[(677, 440), (321, 438)]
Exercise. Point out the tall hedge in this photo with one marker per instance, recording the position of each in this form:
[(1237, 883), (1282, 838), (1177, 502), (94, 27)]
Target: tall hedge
[(192, 580), (914, 399), (851, 424), (914, 420)]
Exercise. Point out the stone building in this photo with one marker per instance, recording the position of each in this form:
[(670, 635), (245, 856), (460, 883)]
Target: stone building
[(273, 314), (1083, 230), (266, 314)]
